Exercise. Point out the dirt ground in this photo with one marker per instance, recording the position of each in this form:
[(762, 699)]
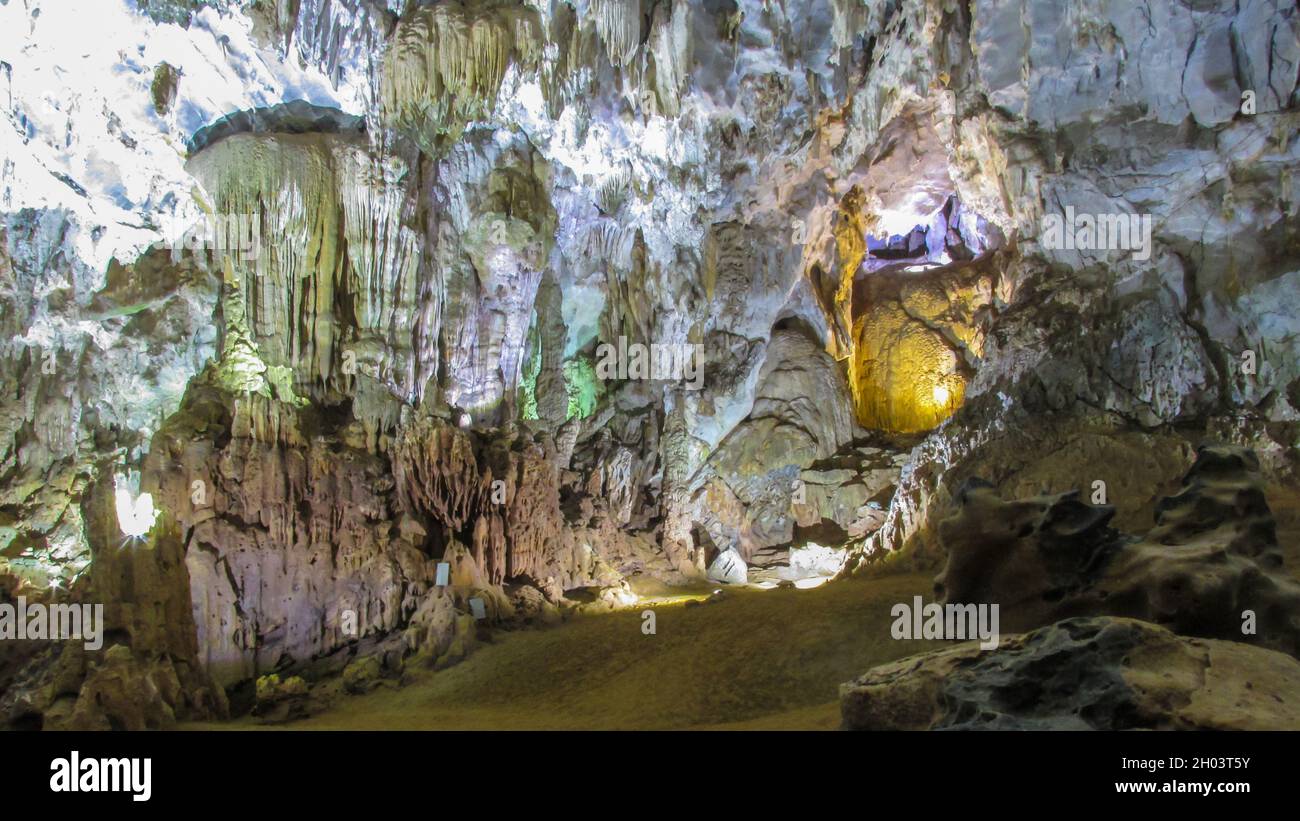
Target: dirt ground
[(756, 659)]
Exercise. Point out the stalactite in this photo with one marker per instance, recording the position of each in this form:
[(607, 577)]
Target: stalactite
[(851, 248), (849, 19), (508, 500), (446, 63), (670, 49), (437, 471), (287, 183), (572, 52), (334, 228), (550, 398), (618, 22), (535, 524), (395, 299)]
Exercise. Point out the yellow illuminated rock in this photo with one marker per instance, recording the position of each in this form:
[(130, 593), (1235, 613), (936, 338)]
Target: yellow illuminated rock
[(912, 335), (851, 248)]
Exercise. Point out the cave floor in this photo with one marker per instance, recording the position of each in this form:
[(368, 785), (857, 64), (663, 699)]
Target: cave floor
[(757, 659)]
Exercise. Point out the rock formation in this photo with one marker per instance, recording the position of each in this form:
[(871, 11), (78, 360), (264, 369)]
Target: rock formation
[(333, 281), (1112, 615), (1211, 558), (1081, 674)]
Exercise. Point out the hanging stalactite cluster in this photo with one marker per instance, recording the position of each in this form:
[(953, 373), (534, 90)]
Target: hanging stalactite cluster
[(505, 503), (445, 65), (335, 268)]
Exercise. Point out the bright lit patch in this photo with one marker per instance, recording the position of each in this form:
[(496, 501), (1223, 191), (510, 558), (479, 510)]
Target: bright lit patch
[(135, 515), (809, 584), (812, 565), (906, 377)]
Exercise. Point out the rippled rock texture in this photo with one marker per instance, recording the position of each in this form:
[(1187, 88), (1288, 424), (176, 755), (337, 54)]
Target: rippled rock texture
[(1081, 674), (1210, 569), (1211, 558)]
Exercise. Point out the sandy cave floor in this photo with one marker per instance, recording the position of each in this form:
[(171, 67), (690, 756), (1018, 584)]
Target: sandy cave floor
[(755, 660)]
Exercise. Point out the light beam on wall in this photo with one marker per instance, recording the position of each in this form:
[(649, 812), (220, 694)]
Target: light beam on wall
[(135, 515)]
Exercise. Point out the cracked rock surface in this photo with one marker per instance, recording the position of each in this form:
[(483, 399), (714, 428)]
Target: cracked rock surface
[(1080, 674)]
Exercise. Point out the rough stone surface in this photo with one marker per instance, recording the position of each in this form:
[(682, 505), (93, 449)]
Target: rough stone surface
[(728, 568), (1081, 674), (1212, 557)]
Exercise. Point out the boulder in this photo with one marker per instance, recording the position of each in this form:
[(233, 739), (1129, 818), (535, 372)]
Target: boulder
[(728, 568), (1210, 567), (1081, 674)]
